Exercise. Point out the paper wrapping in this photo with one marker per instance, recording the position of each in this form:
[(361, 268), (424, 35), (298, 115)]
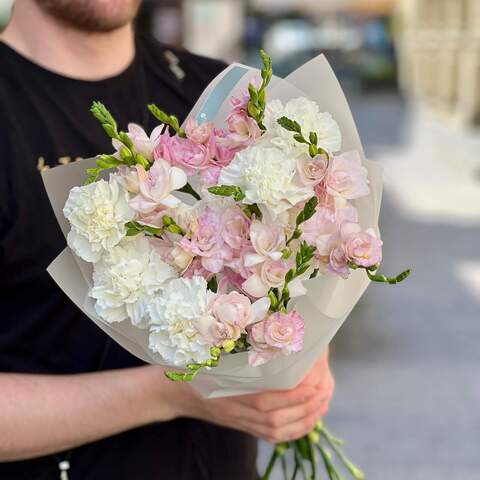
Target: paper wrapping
[(330, 299)]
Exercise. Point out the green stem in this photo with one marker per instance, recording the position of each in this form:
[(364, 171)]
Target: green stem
[(356, 473), (333, 473), (271, 464), (299, 460), (379, 278)]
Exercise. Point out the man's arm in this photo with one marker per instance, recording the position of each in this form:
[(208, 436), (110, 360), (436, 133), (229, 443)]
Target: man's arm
[(43, 414)]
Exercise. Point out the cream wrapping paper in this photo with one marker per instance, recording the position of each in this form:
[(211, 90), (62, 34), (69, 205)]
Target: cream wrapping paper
[(330, 299)]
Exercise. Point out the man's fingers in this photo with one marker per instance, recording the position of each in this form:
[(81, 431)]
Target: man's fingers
[(268, 401)]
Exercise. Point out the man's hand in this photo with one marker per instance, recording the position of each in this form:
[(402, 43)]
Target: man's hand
[(275, 416)]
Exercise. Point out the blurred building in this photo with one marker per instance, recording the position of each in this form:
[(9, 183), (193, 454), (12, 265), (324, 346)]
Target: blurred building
[(439, 56)]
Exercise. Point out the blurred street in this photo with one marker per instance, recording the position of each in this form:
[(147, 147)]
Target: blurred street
[(406, 361)]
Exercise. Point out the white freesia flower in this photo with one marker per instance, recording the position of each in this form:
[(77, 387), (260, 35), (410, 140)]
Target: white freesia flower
[(97, 214), (307, 113), (174, 317), (126, 278), (267, 177)]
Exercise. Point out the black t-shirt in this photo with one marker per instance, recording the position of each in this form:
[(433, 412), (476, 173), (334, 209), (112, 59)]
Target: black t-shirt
[(45, 120)]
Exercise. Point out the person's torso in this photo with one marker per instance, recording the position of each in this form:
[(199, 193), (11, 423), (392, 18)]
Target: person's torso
[(45, 121)]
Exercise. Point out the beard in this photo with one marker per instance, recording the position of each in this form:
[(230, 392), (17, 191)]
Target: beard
[(91, 15)]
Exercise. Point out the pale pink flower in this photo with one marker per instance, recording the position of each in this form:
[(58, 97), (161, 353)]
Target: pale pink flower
[(347, 178), (196, 269), (243, 131), (268, 241), (127, 177), (312, 170), (210, 176), (198, 133), (172, 252), (279, 333), (236, 227), (221, 153), (361, 248), (142, 143), (228, 317), (271, 274), (183, 152), (322, 224), (338, 261), (207, 242), (156, 186)]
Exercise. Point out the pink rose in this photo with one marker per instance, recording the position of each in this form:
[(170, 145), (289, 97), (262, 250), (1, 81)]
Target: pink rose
[(198, 133), (347, 178), (312, 170), (236, 227), (183, 152), (156, 186), (196, 269), (280, 333), (361, 248)]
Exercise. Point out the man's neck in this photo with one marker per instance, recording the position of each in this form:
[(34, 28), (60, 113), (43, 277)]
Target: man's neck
[(69, 52)]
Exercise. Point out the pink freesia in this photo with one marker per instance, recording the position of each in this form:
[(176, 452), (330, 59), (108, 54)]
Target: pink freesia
[(321, 225), (271, 274), (196, 269), (280, 333), (312, 170), (207, 242), (183, 152), (142, 143), (210, 176), (231, 314), (156, 186), (221, 152), (361, 248), (236, 227), (127, 177), (347, 178), (198, 133), (268, 241), (243, 131)]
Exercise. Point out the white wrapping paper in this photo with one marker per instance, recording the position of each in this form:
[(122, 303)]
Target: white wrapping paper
[(330, 299)]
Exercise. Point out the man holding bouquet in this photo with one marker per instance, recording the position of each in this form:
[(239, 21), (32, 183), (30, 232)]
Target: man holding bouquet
[(72, 402)]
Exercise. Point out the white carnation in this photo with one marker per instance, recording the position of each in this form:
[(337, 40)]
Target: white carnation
[(97, 214), (174, 316), (307, 113), (126, 278), (267, 177)]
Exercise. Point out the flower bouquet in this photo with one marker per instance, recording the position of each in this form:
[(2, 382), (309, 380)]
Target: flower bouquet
[(231, 248)]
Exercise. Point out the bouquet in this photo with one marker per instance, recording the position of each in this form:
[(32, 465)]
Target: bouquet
[(230, 248)]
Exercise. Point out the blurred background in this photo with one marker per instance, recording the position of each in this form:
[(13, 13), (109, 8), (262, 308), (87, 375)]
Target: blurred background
[(407, 361)]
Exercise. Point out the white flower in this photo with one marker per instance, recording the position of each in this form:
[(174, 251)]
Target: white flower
[(126, 278), (97, 214), (174, 317), (307, 113), (267, 177)]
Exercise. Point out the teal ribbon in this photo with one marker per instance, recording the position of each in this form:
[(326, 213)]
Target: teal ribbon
[(220, 93)]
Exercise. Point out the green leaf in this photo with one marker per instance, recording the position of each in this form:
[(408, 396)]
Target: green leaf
[(299, 138)]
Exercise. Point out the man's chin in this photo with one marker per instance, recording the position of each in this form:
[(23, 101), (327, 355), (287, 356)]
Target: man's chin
[(99, 16)]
